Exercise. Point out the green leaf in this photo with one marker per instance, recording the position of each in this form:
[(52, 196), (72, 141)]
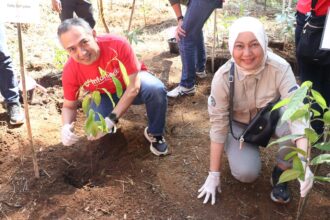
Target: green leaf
[(297, 165), (326, 117), (94, 129), (119, 87), (110, 97), (300, 113), (323, 158), (316, 113), (323, 146), (307, 84), (290, 155), (295, 149), (311, 135), (89, 121), (285, 138), (103, 73), (281, 103), (86, 103), (96, 96), (322, 178), (295, 103), (289, 175), (103, 125), (319, 99), (124, 72)]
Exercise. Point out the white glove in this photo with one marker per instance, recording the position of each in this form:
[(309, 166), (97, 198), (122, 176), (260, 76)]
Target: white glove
[(67, 135), (307, 184), (111, 129), (209, 188)]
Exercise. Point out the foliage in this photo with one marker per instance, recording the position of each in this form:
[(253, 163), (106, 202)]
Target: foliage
[(92, 125), (296, 110), (60, 58), (287, 21), (133, 36)]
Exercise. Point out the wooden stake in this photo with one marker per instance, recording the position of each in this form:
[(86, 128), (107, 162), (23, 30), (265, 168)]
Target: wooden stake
[(214, 37), (130, 19), (26, 106), (100, 5)]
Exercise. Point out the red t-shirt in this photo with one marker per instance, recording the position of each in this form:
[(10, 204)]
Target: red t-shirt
[(112, 49), (321, 8)]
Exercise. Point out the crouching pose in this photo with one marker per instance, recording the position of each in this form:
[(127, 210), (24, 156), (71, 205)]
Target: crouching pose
[(260, 77), (90, 57)]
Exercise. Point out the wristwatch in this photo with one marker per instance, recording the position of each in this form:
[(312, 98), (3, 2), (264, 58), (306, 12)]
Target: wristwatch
[(113, 117), (179, 18)]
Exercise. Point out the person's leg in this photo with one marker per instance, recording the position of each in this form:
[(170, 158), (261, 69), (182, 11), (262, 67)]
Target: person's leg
[(200, 53), (153, 95), (197, 13), (84, 9), (245, 164), (67, 9)]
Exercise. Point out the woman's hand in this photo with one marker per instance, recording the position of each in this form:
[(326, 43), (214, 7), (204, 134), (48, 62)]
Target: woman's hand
[(179, 31), (210, 186)]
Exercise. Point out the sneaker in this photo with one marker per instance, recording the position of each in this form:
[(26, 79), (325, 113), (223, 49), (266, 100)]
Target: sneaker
[(158, 144), (280, 192), (15, 114), (201, 75), (180, 90)]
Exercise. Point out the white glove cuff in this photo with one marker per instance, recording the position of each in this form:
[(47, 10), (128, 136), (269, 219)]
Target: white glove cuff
[(214, 174)]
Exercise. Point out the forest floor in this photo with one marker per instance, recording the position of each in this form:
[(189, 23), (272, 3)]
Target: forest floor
[(117, 177)]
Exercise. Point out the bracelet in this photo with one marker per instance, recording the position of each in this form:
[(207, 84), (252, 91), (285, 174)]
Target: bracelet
[(179, 18)]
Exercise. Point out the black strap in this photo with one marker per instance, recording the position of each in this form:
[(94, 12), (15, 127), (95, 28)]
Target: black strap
[(313, 4), (231, 97)]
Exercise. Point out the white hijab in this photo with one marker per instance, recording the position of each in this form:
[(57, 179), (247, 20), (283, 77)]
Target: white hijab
[(248, 24)]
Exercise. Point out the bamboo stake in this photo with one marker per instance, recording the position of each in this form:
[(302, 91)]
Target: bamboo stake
[(100, 5), (131, 17), (26, 106), (214, 36)]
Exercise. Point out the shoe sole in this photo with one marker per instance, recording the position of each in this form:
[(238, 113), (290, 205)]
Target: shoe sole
[(201, 76), (152, 149), (16, 122), (183, 94)]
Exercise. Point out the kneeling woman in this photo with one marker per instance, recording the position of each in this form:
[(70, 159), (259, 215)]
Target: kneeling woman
[(260, 77)]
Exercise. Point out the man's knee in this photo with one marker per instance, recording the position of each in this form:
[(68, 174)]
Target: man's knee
[(246, 174)]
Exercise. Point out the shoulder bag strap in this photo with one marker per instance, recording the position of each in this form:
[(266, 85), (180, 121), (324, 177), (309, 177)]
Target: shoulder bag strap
[(231, 98), (313, 4)]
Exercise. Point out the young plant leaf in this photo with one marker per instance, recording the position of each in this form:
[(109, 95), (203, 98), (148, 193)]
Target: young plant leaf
[(295, 149), (281, 103), (307, 84), (295, 103), (323, 146), (322, 178), (124, 73), (94, 129), (96, 97), (300, 113), (110, 97), (326, 117), (103, 125), (297, 165), (319, 99), (311, 135), (89, 121), (323, 158), (289, 175), (290, 155), (119, 87), (284, 138), (86, 103), (316, 113), (102, 72)]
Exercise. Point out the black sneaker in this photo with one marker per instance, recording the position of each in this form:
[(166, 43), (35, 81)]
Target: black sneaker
[(15, 114), (280, 192), (158, 144)]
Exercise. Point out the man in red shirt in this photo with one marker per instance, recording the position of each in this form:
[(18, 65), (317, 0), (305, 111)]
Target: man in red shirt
[(90, 56)]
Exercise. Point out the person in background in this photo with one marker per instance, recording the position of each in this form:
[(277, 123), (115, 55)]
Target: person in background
[(189, 34), (8, 83), (89, 55), (318, 74), (260, 77), (82, 8)]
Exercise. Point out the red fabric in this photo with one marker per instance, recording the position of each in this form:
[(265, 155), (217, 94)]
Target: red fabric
[(321, 8), (112, 47)]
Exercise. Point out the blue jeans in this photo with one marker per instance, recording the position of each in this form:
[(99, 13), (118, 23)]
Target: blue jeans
[(152, 93), (318, 75), (192, 48), (8, 80)]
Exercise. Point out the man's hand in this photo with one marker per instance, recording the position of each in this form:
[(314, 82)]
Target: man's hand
[(210, 186), (67, 135), (111, 129), (307, 184), (179, 31), (57, 5)]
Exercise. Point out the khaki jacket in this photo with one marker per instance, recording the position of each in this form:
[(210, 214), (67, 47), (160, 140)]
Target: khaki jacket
[(251, 93)]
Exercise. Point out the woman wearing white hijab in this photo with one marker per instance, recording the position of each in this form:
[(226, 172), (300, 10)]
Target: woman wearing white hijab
[(260, 77)]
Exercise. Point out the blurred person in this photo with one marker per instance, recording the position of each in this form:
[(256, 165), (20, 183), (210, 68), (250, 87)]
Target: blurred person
[(8, 83), (189, 35), (318, 74), (82, 8), (90, 53), (260, 77)]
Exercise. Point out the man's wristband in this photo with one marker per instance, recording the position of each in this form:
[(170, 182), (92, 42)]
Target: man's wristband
[(179, 18), (113, 117)]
